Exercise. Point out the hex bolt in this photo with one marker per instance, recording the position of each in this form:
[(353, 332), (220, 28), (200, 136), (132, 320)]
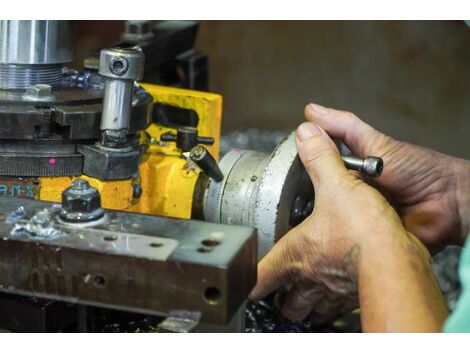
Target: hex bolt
[(371, 166), (80, 184), (81, 203), (120, 67), (38, 92)]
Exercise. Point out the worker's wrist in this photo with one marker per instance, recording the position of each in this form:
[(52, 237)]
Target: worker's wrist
[(462, 192), (391, 250)]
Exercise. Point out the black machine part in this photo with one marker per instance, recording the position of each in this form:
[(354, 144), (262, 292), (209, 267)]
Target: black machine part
[(201, 156), (186, 138)]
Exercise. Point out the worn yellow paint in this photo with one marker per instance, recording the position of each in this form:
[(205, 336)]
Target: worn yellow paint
[(208, 107), (166, 177), (168, 186)]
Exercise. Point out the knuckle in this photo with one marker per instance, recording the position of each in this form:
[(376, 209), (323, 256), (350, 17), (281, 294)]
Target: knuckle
[(352, 116), (319, 155)]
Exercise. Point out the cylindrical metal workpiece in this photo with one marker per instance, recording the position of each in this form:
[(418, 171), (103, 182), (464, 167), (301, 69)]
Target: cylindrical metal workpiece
[(261, 191), (120, 67), (117, 104), (35, 42), (32, 52)]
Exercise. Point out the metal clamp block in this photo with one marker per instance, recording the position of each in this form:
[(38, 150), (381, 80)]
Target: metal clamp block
[(110, 163)]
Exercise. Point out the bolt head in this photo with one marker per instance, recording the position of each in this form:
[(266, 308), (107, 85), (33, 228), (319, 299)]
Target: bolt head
[(81, 202), (118, 65), (80, 184), (373, 166)]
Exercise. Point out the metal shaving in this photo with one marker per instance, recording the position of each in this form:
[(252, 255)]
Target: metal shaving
[(180, 321), (41, 225), (16, 215)]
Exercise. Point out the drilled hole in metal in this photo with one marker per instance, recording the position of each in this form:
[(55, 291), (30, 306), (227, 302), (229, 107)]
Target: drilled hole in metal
[(212, 295), (210, 242), (110, 238), (204, 249), (118, 65), (99, 281)]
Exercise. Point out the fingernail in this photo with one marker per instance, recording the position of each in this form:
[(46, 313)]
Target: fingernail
[(307, 130), (320, 110)]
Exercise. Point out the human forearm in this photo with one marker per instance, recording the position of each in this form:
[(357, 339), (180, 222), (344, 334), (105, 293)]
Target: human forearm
[(398, 291)]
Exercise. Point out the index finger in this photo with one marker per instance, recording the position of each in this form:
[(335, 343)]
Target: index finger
[(274, 270)]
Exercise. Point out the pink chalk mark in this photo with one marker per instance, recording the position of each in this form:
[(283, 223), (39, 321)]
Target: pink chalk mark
[(52, 161)]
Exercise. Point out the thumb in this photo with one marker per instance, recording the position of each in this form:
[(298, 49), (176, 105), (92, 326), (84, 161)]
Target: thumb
[(319, 154)]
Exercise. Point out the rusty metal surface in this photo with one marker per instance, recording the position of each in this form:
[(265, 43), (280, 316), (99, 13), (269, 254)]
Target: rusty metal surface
[(21, 187), (122, 263)]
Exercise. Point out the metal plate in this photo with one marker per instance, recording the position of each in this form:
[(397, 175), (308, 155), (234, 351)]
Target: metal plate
[(208, 268)]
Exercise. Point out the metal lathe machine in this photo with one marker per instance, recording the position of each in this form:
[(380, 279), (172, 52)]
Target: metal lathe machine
[(112, 195)]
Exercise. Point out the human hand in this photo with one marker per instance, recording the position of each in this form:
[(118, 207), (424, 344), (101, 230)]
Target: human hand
[(321, 257), (429, 190)]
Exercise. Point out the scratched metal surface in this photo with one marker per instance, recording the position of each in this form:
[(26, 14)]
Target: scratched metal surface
[(122, 262)]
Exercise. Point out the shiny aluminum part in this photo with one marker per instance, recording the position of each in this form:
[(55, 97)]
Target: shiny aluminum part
[(371, 166), (259, 190), (14, 76), (231, 201), (117, 104), (120, 67), (32, 52), (35, 42), (122, 63)]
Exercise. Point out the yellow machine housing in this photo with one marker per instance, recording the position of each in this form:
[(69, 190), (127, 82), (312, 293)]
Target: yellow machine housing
[(166, 177)]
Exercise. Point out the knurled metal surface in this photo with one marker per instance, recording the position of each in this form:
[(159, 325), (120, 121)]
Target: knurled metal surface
[(44, 165)]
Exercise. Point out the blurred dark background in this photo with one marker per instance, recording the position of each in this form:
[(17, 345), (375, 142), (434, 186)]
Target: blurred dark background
[(409, 79)]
